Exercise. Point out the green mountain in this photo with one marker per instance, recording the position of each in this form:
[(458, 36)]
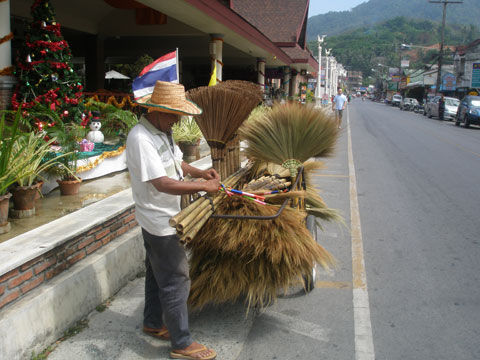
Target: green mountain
[(375, 11), (364, 48)]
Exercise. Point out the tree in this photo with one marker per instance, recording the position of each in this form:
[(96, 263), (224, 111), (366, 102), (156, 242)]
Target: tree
[(44, 70)]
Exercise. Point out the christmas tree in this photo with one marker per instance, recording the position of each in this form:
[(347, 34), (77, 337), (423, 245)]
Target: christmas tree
[(45, 74)]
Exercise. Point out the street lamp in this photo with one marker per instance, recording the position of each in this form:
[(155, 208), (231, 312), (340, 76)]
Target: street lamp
[(327, 75), (319, 77)]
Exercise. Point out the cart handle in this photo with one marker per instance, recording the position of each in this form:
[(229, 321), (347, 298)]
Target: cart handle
[(270, 217)]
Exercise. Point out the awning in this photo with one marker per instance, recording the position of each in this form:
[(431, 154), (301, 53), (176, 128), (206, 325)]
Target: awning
[(414, 84), (112, 74)]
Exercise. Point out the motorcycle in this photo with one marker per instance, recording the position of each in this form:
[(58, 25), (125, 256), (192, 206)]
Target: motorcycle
[(419, 108)]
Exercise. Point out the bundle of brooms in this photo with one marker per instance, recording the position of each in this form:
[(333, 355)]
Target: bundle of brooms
[(231, 258), (225, 107)]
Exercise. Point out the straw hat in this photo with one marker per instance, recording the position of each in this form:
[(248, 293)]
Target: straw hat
[(169, 97)]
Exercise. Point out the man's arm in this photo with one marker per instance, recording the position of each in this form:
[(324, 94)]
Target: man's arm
[(174, 187)]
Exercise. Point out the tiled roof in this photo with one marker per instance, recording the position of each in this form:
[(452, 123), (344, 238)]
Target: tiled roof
[(296, 53), (282, 21)]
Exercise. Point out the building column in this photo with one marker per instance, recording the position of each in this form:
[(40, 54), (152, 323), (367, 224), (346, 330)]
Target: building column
[(293, 82), (7, 80), (261, 73), (94, 63), (286, 80), (216, 54)]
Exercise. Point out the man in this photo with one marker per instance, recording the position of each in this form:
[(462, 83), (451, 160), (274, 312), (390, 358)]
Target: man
[(156, 172), (441, 107), (338, 105)]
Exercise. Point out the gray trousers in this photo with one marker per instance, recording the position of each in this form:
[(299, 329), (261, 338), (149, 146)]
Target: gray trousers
[(167, 285)]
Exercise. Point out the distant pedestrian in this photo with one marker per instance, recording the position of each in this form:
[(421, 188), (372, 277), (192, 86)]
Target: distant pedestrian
[(338, 105), (441, 107)]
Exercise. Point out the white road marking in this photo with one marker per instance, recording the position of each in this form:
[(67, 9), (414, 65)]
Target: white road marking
[(364, 349), (296, 325)]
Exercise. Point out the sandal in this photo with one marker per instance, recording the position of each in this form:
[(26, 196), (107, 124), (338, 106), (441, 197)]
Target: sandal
[(161, 334), (188, 354)]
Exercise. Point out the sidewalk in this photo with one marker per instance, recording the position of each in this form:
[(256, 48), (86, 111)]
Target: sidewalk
[(116, 333)]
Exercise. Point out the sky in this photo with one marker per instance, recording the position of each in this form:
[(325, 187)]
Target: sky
[(323, 6)]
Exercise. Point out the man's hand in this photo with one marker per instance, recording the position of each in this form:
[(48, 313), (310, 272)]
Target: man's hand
[(212, 186), (210, 174)]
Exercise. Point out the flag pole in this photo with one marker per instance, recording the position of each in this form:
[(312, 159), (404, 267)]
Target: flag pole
[(178, 65)]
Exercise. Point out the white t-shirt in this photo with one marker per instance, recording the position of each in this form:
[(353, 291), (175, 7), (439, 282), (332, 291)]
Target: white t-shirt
[(339, 101), (149, 156)]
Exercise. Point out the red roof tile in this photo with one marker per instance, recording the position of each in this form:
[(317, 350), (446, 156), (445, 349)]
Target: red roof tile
[(282, 21)]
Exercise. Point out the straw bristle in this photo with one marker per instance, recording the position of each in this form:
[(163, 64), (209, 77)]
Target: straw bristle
[(255, 258), (290, 131), (224, 110)]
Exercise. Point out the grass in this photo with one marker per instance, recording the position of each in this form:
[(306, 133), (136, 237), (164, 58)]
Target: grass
[(78, 327)]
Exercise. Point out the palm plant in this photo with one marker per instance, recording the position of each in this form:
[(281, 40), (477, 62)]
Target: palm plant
[(32, 149), (68, 135), (10, 162), (186, 131)]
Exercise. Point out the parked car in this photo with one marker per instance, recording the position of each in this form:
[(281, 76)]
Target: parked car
[(468, 111), (396, 100), (408, 104), (451, 106)]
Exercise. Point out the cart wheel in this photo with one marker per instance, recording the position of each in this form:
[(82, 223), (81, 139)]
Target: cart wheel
[(309, 280)]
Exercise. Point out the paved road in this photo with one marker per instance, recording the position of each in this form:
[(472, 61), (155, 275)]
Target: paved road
[(407, 284), (419, 201)]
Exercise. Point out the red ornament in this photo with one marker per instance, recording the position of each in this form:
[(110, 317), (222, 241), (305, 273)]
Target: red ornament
[(65, 113)]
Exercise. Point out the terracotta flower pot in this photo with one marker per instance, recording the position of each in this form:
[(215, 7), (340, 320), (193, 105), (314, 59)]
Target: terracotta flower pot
[(24, 197), (69, 187), (4, 203), (189, 152)]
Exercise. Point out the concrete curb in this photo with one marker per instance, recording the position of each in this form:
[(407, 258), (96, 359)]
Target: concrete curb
[(40, 318)]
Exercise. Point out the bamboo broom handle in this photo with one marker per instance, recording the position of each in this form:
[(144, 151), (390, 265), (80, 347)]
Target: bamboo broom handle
[(230, 181), (182, 214), (182, 224), (195, 229), (198, 218)]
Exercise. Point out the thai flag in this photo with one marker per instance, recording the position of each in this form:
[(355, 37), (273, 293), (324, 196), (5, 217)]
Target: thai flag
[(163, 69)]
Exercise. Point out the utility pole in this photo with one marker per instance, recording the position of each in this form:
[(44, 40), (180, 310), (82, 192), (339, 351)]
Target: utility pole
[(440, 57)]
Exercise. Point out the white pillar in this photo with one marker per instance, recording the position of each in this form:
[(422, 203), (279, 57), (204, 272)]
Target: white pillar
[(261, 73), (7, 80), (286, 80), (216, 53)]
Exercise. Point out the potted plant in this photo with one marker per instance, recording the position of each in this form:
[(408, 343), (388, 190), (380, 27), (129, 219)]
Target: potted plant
[(10, 165), (187, 135), (68, 136), (33, 150)]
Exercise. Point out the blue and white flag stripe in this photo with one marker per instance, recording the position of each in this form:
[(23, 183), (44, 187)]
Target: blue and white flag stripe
[(163, 69)]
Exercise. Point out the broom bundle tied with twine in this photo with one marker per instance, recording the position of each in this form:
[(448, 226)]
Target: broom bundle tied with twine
[(225, 107), (253, 258)]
